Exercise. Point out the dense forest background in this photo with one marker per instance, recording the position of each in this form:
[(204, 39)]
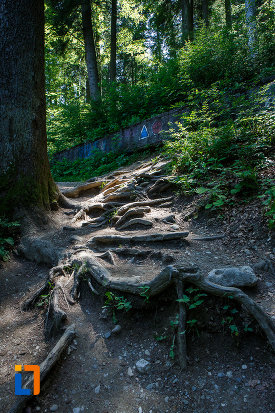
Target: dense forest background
[(147, 57)]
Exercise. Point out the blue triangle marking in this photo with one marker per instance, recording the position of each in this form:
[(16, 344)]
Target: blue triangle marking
[(144, 133)]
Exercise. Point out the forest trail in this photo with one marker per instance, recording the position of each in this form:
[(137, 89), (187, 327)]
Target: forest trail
[(126, 231)]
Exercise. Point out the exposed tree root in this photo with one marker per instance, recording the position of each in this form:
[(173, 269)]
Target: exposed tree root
[(148, 202), (137, 221), (160, 185), (76, 191), (135, 212), (170, 275), (46, 366), (181, 333), (55, 316), (125, 239)]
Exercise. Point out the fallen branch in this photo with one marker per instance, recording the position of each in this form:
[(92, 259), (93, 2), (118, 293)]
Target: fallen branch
[(46, 366)]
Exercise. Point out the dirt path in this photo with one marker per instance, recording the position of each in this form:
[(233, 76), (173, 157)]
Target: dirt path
[(98, 371)]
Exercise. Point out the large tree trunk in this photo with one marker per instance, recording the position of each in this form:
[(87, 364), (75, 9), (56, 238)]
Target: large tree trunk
[(25, 177), (187, 20), (113, 41), (90, 51), (228, 15), (250, 14)]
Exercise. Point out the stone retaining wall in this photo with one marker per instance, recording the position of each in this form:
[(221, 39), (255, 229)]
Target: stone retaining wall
[(150, 132)]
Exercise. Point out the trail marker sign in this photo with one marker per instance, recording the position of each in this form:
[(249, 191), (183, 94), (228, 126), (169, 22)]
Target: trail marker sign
[(144, 133)]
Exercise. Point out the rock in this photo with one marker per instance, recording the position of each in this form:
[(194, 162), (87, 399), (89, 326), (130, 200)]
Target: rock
[(244, 366), (40, 250), (97, 389), (75, 238), (233, 276), (108, 334), (150, 386), (166, 399), (116, 329), (130, 372), (175, 227), (76, 410), (147, 353), (170, 219), (142, 365), (54, 408)]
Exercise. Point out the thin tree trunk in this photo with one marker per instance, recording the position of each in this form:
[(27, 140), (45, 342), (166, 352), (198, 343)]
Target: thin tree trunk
[(90, 51), (25, 177), (250, 14), (113, 41), (187, 20), (205, 12), (228, 15)]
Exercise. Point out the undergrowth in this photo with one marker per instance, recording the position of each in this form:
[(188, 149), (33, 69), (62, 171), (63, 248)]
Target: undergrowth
[(8, 233), (98, 164), (224, 150)]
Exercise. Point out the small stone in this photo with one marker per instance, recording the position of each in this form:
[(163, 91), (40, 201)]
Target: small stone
[(116, 329), (220, 374), (244, 366), (147, 353), (142, 365), (97, 389), (170, 219), (76, 410), (54, 408), (175, 227), (229, 374), (38, 408), (166, 399), (108, 334), (130, 372), (139, 410), (150, 386)]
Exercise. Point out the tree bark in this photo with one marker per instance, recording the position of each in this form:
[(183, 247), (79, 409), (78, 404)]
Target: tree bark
[(113, 41), (90, 52), (250, 14), (205, 12), (187, 20), (25, 177), (228, 15)]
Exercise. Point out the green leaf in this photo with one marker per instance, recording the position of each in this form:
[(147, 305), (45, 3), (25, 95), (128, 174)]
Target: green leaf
[(202, 190), (184, 299), (208, 206), (9, 241), (219, 202)]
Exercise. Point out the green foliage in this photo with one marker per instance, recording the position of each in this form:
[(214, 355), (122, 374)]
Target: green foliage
[(98, 164), (268, 198), (220, 149), (116, 303), (8, 231), (145, 292)]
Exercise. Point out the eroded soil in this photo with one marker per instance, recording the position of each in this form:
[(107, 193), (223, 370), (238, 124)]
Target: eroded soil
[(97, 373)]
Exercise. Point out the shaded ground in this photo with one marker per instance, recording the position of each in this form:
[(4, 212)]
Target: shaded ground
[(97, 374)]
